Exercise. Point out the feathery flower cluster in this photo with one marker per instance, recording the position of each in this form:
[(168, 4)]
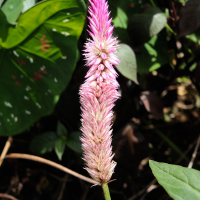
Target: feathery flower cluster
[(98, 93)]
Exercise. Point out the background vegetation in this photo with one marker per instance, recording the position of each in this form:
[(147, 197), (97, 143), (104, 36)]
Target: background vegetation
[(41, 70)]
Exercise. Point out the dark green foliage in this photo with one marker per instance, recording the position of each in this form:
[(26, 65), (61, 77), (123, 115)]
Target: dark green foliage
[(48, 141), (74, 142), (43, 143)]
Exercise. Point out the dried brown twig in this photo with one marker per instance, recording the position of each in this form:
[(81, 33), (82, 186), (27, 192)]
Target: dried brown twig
[(7, 196), (51, 163), (63, 187), (5, 149), (194, 153)]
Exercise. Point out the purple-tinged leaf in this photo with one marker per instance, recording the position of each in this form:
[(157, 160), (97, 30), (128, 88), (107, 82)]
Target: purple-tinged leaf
[(190, 18), (152, 103)]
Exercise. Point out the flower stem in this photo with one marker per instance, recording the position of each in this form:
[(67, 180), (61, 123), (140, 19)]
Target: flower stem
[(106, 191)]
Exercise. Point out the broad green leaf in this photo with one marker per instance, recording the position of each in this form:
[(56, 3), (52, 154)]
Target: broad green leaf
[(28, 4), (127, 66), (43, 143), (145, 25), (61, 130), (59, 15), (153, 54), (180, 183), (120, 24), (37, 70), (12, 9), (121, 19), (73, 141), (60, 147)]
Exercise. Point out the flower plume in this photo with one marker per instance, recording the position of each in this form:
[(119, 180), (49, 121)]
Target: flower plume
[(98, 93)]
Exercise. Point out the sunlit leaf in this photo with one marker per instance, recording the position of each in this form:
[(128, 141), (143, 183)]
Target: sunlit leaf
[(1, 1), (153, 54), (195, 37), (120, 23), (181, 183), (127, 66), (27, 4), (12, 9), (60, 147), (121, 19), (182, 1)]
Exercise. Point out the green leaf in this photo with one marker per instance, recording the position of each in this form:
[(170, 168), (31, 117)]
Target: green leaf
[(120, 24), (127, 66), (195, 37), (61, 130), (43, 143), (28, 4), (37, 70), (153, 54), (12, 9), (121, 19), (180, 183), (60, 147), (145, 25), (51, 14), (74, 143)]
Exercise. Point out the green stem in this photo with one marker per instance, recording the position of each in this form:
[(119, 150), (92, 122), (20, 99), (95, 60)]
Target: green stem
[(106, 191), (169, 28)]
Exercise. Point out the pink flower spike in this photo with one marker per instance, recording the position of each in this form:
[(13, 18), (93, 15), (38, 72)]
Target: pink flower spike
[(99, 93)]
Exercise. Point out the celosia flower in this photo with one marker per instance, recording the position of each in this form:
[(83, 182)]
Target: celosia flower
[(98, 93)]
